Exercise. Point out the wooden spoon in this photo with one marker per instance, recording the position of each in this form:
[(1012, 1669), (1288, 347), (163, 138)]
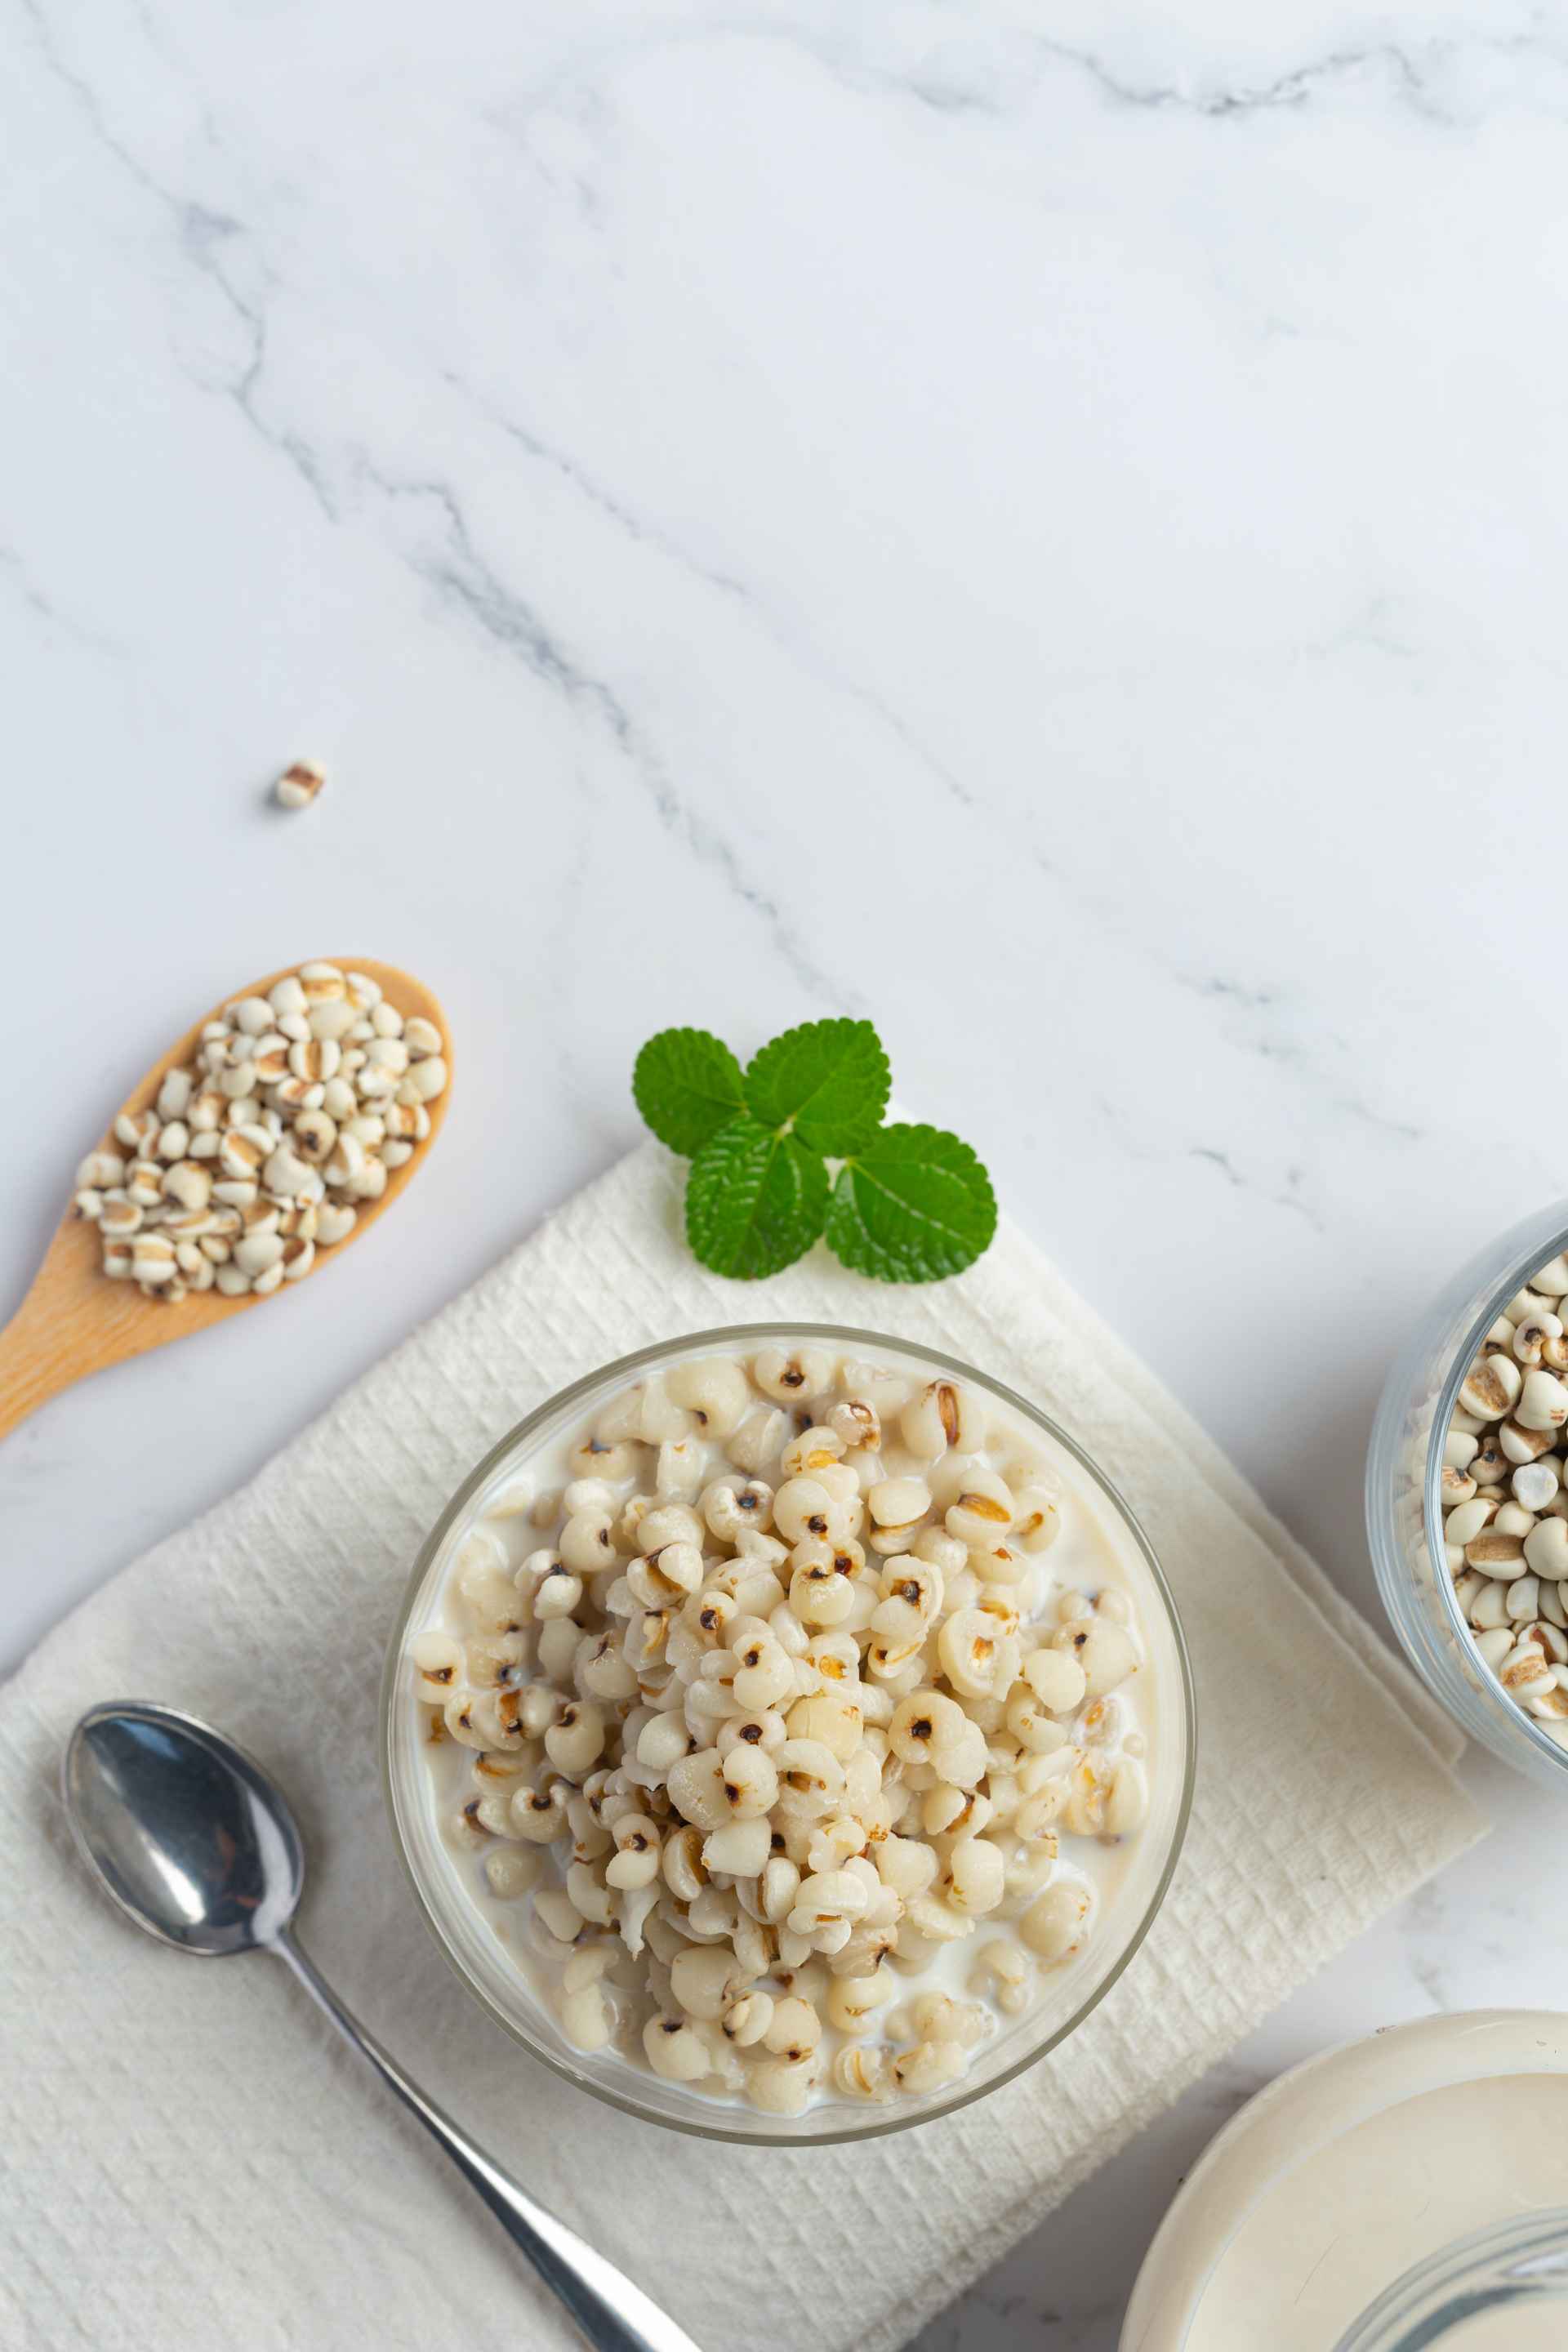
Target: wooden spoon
[(75, 1320)]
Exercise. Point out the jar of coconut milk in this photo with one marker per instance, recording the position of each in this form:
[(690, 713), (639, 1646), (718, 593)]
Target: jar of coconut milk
[(1409, 2191)]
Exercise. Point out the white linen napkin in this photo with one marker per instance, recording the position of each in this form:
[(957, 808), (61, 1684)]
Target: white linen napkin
[(192, 2160)]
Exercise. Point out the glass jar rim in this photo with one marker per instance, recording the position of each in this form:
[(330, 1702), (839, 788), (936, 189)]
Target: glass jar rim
[(877, 2121), (1521, 2259)]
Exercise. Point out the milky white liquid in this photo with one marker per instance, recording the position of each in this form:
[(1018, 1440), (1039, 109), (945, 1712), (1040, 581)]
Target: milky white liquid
[(1331, 2233), (1340, 2177)]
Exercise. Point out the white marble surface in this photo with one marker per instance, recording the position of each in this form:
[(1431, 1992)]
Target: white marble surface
[(1041, 525)]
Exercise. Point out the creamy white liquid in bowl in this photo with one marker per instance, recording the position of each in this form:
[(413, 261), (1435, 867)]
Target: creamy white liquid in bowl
[(1341, 2176)]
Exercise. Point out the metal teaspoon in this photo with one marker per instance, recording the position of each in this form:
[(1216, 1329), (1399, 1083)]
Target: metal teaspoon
[(194, 1843)]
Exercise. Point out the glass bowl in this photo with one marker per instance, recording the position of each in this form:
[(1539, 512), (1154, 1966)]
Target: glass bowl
[(1404, 1520), (493, 1976)]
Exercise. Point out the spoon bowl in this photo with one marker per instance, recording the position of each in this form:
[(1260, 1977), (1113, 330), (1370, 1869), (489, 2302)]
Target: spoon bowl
[(75, 1320), (186, 1833), (189, 1837)]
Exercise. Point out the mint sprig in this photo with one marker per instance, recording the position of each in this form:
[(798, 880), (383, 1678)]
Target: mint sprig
[(916, 1204), (906, 1204), (687, 1086), (829, 1080), (756, 1201)]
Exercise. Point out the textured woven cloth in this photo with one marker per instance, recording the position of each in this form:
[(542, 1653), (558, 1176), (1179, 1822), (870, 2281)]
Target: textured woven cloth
[(190, 2159)]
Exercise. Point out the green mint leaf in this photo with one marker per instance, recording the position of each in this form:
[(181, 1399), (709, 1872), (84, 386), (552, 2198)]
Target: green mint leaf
[(687, 1084), (754, 1201), (913, 1206), (829, 1079)]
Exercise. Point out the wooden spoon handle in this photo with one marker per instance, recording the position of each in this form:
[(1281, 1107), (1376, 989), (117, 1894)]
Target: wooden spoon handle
[(39, 1354), (72, 1321)]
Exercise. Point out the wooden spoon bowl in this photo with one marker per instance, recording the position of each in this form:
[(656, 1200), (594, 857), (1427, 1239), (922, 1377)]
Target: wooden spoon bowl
[(75, 1319)]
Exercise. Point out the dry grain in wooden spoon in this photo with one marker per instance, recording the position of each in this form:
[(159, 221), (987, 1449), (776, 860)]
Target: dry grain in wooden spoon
[(290, 1114)]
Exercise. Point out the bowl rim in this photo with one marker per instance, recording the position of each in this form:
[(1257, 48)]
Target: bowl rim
[(878, 2121), (1520, 1265)]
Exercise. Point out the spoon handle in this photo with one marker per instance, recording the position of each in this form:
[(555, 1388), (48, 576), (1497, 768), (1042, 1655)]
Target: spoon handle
[(614, 2315), (48, 1343)]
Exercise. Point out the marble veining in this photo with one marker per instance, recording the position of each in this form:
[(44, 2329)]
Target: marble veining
[(1040, 525)]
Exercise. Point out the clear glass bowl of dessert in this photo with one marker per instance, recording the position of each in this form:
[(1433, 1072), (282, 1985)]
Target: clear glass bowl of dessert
[(788, 1734), (1466, 1507)]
